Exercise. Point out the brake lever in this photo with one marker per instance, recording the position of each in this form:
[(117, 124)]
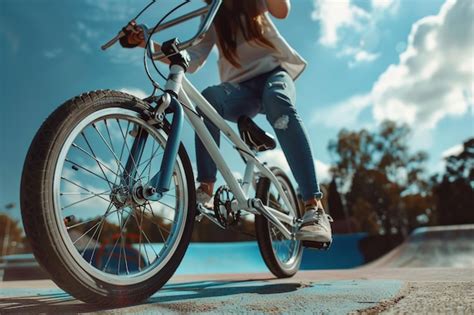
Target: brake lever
[(121, 34), (112, 42)]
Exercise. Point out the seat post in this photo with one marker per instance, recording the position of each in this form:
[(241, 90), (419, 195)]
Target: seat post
[(248, 176)]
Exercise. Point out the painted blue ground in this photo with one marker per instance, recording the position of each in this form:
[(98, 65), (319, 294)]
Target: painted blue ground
[(213, 297), (244, 257)]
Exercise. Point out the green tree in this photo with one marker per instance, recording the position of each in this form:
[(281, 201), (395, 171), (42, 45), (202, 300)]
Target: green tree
[(336, 208), (376, 172), (454, 191), (11, 235)]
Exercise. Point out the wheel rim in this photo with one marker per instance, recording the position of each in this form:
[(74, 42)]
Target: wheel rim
[(107, 229), (286, 251)]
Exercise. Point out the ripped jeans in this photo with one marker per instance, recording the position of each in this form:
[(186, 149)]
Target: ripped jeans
[(272, 94)]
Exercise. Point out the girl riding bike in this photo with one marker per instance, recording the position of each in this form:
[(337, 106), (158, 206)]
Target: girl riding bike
[(257, 69)]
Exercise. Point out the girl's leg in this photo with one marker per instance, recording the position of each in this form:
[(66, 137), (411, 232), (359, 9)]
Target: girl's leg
[(230, 101), (278, 101)]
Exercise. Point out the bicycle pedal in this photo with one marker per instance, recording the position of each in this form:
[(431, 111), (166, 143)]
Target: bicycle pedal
[(199, 217), (317, 245)]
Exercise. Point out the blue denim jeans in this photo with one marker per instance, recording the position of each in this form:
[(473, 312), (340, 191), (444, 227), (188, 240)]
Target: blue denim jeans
[(272, 94)]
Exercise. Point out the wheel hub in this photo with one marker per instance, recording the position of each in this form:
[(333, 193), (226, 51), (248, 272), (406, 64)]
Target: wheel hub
[(122, 196)]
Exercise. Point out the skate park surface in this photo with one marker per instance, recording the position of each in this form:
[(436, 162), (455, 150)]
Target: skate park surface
[(431, 272)]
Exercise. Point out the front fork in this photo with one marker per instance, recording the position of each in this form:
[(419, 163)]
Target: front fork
[(159, 184)]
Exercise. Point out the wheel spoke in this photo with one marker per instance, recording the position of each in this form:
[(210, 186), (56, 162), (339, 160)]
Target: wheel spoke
[(115, 246), (146, 237), (153, 214), (126, 144), (124, 250), (140, 240), (95, 158), (85, 199), (88, 221), (82, 194), (158, 225), (91, 172), (85, 233), (100, 232), (79, 186), (117, 160), (97, 229)]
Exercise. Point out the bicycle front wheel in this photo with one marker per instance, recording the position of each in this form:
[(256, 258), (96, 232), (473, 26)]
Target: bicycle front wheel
[(88, 226)]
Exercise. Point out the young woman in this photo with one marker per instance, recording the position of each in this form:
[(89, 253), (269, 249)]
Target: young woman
[(257, 69)]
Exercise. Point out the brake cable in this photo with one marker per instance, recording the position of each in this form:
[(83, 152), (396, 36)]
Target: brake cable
[(145, 64), (144, 9), (156, 85)]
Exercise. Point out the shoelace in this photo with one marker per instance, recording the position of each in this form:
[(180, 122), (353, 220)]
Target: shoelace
[(316, 217)]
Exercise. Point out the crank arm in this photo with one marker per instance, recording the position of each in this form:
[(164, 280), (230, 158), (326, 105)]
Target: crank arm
[(273, 216), (208, 214)]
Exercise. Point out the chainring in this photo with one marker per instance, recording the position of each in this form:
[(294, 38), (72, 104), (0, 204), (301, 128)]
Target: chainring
[(223, 199)]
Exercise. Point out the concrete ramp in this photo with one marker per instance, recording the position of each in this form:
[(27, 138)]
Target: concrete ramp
[(440, 246)]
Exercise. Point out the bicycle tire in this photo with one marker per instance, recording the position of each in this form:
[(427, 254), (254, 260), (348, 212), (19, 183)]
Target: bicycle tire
[(41, 229), (263, 229)]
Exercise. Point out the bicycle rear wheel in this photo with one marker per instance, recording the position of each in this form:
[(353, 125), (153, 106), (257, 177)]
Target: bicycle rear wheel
[(282, 256), (88, 226)]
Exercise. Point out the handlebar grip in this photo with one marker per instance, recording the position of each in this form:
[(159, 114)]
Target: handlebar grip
[(113, 41)]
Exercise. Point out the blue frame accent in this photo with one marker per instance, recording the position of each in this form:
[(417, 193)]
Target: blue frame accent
[(135, 156), (161, 181)]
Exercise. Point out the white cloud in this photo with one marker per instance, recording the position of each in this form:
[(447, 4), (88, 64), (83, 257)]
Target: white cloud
[(135, 92), (111, 10), (358, 56), (345, 21), (365, 56), (52, 53), (81, 43), (322, 171), (86, 38), (277, 158), (87, 31), (433, 79), (335, 15), (454, 150), (384, 4), (435, 75), (344, 114), (12, 40)]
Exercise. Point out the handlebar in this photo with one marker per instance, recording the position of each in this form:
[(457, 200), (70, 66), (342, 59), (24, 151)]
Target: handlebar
[(210, 11)]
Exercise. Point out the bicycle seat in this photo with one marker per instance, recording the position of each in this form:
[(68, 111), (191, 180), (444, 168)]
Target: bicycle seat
[(255, 137)]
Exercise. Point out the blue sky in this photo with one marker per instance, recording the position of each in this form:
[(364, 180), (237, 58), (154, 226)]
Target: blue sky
[(409, 60)]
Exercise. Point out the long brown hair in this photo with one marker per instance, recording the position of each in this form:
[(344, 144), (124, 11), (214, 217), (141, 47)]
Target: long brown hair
[(243, 16)]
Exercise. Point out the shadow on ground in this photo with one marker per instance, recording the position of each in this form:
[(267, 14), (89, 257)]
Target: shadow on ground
[(63, 303)]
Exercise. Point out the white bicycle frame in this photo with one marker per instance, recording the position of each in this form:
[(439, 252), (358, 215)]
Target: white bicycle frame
[(192, 98)]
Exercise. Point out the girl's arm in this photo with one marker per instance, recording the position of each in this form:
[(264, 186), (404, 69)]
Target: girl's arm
[(278, 8), (198, 53)]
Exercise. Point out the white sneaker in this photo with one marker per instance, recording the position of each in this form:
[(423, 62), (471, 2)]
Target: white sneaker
[(203, 197), (316, 226)]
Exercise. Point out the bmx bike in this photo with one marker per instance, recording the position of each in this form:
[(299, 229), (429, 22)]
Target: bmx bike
[(106, 166)]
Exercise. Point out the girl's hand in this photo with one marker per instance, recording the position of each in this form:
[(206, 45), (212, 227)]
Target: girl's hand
[(279, 8), (133, 36)]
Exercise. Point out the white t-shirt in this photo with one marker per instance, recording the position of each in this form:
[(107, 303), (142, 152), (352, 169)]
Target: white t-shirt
[(254, 58)]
